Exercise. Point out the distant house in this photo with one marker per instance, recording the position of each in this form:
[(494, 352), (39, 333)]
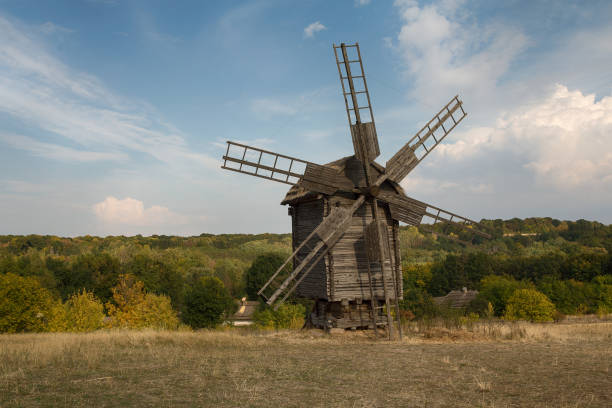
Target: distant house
[(244, 314), (456, 299)]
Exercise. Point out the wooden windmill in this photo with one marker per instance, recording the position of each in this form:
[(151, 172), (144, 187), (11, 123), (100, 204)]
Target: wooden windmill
[(345, 214)]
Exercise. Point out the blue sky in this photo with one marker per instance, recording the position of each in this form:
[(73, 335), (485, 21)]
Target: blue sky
[(113, 114)]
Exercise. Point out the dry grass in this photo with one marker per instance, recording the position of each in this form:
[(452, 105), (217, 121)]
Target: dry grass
[(503, 366)]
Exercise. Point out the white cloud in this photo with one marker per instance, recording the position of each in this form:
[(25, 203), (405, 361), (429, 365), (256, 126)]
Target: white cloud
[(132, 212), (445, 52), (40, 91), (563, 140), (360, 3), (313, 28)]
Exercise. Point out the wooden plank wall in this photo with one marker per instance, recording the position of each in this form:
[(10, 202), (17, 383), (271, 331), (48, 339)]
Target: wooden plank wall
[(306, 217), (350, 273)]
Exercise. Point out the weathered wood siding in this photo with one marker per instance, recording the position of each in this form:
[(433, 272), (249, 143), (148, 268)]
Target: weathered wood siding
[(306, 217), (343, 272), (349, 278)]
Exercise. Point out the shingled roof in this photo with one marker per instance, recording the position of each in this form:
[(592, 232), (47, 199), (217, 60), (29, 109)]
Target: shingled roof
[(352, 170)]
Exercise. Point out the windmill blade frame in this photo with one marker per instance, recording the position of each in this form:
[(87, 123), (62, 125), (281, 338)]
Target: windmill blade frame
[(413, 211), (417, 148), (251, 160), (365, 139)]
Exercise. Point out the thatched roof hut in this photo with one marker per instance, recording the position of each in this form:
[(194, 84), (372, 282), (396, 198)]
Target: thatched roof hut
[(456, 299)]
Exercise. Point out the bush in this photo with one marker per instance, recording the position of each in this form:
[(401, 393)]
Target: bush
[(83, 312), (133, 308), (25, 306), (286, 316), (207, 303), (529, 304)]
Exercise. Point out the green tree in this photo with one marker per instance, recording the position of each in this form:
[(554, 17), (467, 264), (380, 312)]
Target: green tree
[(96, 272), (207, 303), (229, 271), (418, 302), (529, 304), (158, 277), (25, 306), (260, 271), (498, 289)]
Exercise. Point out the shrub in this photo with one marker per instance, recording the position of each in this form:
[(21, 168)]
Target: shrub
[(133, 308), (286, 316), (25, 306), (83, 312), (529, 304), (207, 303)]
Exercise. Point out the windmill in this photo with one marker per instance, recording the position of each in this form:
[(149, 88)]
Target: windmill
[(345, 214)]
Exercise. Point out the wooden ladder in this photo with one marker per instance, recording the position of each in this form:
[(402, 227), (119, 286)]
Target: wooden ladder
[(318, 243), (390, 303), (375, 233)]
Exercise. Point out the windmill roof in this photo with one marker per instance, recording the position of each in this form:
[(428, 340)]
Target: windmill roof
[(349, 167)]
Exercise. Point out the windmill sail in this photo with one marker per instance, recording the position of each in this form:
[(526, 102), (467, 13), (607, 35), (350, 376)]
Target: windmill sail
[(284, 169), (425, 140), (412, 212), (357, 101)]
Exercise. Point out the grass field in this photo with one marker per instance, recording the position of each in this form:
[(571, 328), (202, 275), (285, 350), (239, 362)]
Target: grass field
[(561, 365)]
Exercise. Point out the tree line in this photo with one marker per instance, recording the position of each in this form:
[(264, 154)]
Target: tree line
[(566, 261)]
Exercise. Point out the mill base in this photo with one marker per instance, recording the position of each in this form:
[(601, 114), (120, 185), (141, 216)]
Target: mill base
[(345, 315)]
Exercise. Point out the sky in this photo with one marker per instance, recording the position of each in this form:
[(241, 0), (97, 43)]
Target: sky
[(114, 114)]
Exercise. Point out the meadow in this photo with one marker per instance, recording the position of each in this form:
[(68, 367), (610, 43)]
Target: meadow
[(491, 364)]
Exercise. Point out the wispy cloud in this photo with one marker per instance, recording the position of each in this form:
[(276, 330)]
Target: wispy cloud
[(58, 152), (361, 3), (271, 107), (52, 28), (42, 92), (313, 28), (290, 105)]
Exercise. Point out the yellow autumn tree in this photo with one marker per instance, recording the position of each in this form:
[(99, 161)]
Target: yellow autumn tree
[(133, 308), (84, 312)]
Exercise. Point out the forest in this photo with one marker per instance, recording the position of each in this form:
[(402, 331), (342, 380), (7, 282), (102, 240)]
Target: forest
[(194, 279)]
